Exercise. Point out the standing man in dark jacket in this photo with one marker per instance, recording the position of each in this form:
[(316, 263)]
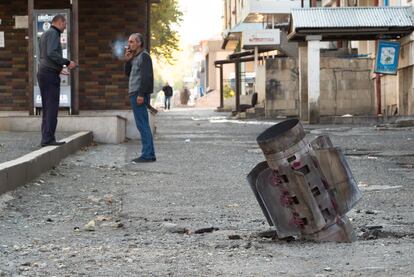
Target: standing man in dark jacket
[(51, 66), (168, 93), (141, 85)]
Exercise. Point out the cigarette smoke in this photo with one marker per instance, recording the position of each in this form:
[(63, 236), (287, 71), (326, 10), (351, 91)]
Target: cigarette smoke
[(118, 49)]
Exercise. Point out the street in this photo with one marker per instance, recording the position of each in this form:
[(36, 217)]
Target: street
[(192, 213)]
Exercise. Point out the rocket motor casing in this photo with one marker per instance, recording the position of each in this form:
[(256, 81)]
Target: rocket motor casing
[(306, 189)]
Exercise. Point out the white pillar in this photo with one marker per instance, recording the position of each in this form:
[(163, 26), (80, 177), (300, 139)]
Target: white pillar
[(256, 58), (243, 80), (303, 81), (313, 78)]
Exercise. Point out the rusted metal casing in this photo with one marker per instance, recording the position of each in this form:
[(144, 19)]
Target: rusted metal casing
[(304, 189)]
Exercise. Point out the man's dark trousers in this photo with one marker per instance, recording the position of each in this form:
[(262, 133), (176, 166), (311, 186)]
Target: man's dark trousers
[(49, 83)]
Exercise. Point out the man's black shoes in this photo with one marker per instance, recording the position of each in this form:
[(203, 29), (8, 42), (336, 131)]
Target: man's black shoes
[(53, 143), (141, 160)]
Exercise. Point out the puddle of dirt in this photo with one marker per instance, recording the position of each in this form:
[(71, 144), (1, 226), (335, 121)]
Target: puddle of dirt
[(378, 233)]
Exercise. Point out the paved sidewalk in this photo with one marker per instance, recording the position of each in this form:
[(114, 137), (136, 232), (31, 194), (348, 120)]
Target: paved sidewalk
[(192, 213), (17, 144)]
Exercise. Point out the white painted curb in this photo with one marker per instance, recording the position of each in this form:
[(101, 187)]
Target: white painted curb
[(18, 172)]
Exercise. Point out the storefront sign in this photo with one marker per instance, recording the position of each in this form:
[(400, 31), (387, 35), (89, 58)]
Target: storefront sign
[(267, 37), (2, 44), (21, 22), (387, 57)]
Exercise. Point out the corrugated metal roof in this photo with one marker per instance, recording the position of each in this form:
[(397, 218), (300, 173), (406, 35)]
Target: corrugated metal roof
[(351, 17)]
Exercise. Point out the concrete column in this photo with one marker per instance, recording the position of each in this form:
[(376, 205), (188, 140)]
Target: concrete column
[(406, 89), (221, 87), (411, 95), (30, 33), (405, 96), (256, 58), (303, 81), (148, 25), (313, 78), (75, 56), (242, 72), (261, 83), (238, 84)]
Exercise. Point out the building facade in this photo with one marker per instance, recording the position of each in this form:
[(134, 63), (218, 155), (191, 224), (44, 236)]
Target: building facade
[(102, 26), (347, 83)]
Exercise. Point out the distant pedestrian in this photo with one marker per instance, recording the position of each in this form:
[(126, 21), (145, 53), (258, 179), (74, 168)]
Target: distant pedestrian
[(141, 85), (51, 66), (168, 93), (185, 96)]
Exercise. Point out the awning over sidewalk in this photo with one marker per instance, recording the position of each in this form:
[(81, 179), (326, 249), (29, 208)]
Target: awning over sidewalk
[(234, 34), (353, 23)]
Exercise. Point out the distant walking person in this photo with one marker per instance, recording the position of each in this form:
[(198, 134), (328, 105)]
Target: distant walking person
[(141, 85), (51, 66), (168, 93)]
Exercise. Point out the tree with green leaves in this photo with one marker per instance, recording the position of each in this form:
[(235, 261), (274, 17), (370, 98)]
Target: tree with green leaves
[(165, 40)]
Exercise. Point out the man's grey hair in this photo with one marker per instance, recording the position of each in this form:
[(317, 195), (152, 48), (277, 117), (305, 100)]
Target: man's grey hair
[(139, 38), (59, 17)]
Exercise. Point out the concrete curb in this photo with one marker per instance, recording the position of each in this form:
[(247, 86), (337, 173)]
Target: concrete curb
[(400, 121), (24, 169), (352, 120), (106, 129)]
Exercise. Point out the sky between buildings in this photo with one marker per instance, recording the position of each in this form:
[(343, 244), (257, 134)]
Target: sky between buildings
[(202, 20)]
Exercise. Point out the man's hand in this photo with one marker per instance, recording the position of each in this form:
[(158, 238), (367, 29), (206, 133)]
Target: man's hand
[(72, 65), (64, 71), (140, 100), (128, 54)]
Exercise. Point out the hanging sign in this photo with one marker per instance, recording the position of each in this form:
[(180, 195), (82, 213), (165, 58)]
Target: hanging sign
[(387, 57)]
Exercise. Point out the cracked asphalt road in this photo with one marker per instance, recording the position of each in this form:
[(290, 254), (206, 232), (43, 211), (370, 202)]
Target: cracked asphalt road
[(192, 213)]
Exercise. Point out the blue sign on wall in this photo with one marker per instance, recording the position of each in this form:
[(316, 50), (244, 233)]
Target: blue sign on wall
[(387, 57)]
